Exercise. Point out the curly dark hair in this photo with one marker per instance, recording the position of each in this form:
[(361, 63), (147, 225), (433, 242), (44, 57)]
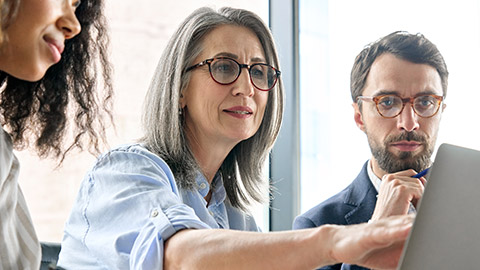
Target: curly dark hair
[(43, 111)]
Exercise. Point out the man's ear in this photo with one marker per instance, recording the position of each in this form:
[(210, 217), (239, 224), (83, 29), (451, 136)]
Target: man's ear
[(357, 116)]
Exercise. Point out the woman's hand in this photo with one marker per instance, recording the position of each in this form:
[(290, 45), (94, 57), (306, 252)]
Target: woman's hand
[(377, 244)]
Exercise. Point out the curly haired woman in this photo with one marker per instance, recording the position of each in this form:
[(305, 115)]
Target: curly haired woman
[(51, 53)]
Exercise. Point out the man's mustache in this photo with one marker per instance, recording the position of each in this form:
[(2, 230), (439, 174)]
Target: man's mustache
[(406, 136)]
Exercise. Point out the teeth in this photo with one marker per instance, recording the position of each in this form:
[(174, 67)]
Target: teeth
[(241, 112)]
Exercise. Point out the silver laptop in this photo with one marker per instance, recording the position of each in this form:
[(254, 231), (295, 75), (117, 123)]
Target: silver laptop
[(446, 230)]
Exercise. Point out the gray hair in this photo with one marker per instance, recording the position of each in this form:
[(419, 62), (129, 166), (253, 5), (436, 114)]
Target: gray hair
[(164, 127)]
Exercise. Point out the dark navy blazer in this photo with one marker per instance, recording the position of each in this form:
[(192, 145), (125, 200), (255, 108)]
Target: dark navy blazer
[(353, 205)]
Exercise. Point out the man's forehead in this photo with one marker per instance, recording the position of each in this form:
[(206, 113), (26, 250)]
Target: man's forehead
[(392, 75)]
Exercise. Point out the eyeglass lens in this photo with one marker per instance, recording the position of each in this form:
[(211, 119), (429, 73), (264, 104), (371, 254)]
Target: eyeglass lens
[(391, 106), (226, 71)]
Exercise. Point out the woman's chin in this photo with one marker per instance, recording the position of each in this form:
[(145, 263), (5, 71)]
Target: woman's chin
[(32, 75)]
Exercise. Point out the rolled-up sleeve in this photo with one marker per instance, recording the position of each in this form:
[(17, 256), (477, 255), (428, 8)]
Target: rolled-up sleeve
[(130, 207)]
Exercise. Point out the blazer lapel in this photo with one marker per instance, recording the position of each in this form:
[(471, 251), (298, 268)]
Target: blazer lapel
[(363, 196)]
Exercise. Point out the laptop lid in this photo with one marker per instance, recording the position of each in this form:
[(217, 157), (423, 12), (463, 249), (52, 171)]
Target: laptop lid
[(446, 230)]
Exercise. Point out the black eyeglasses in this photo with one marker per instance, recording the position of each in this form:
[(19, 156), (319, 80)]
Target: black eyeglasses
[(224, 70), (390, 106)]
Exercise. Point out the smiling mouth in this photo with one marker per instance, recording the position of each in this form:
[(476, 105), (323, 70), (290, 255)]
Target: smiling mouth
[(56, 48), (239, 112)]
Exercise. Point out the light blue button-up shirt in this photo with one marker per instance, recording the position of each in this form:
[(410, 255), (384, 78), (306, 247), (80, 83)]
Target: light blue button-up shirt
[(129, 205)]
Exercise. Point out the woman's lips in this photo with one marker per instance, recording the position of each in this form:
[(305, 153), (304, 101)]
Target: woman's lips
[(56, 48), (239, 111)]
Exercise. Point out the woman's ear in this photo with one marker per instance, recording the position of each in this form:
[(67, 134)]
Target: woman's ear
[(181, 101), (357, 116)]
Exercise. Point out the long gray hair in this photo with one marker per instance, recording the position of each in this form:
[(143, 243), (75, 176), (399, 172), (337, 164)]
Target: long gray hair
[(164, 128)]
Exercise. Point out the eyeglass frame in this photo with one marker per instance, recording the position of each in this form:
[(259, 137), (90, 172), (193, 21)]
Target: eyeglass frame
[(375, 99), (241, 66)]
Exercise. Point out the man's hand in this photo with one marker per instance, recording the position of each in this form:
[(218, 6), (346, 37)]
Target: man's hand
[(396, 193)]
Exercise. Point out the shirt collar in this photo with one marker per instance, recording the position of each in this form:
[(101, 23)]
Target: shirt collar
[(373, 178), (219, 194), (218, 190), (202, 184)]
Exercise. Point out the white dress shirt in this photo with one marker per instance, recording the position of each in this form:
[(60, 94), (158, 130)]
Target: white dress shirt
[(19, 246)]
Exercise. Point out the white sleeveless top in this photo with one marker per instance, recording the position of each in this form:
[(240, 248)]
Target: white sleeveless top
[(19, 246)]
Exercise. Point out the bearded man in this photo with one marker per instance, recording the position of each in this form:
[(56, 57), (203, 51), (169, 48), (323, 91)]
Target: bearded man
[(398, 86)]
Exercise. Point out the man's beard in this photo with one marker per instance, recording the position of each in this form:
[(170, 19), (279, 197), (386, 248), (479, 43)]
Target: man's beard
[(390, 163)]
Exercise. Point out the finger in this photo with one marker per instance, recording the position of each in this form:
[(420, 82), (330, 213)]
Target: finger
[(423, 180), (401, 186), (409, 173), (395, 199), (398, 179), (415, 183)]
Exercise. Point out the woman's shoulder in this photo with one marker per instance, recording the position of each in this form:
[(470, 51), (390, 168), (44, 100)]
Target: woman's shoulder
[(5, 140), (6, 156), (6, 148), (131, 155), (131, 148)]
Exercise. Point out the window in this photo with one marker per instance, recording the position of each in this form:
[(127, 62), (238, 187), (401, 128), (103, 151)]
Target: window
[(331, 34)]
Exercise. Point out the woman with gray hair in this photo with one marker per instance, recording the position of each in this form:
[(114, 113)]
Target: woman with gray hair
[(179, 198)]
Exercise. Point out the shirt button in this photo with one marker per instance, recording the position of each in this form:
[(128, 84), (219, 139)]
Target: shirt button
[(203, 185), (210, 212), (154, 213)]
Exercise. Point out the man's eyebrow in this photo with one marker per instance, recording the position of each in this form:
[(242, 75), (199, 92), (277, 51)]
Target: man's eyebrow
[(392, 92), (429, 92), (386, 92)]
